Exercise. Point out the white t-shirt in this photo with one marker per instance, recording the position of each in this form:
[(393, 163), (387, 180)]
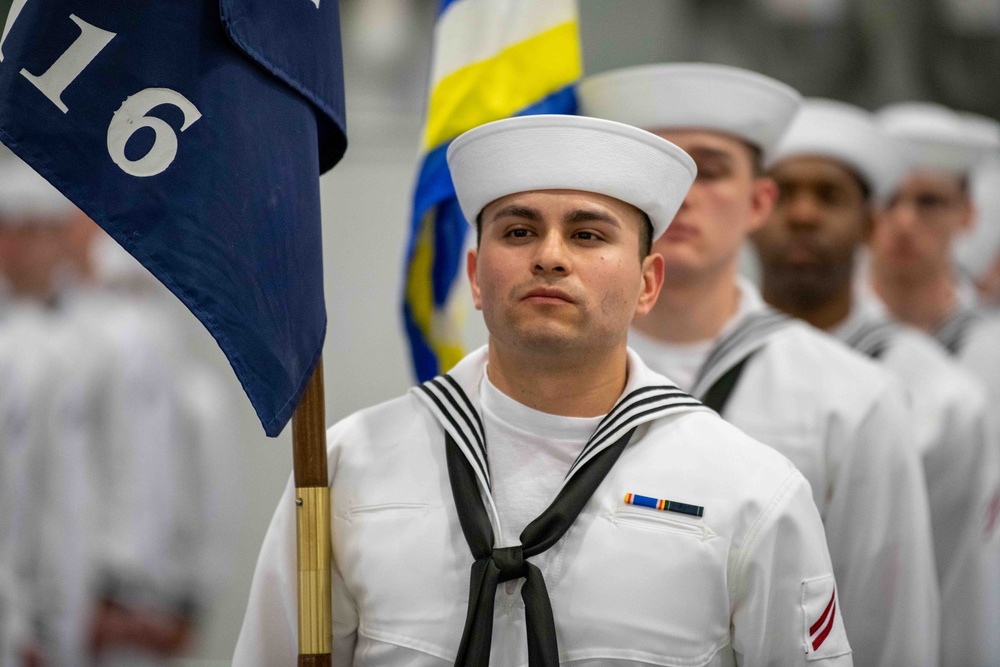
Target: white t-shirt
[(529, 454)]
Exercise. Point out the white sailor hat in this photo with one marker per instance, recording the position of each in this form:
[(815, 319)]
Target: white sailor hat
[(938, 138), (26, 197), (751, 106), (849, 135), (555, 152)]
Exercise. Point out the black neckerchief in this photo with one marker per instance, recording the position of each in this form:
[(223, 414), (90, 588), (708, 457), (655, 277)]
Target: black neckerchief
[(468, 471)]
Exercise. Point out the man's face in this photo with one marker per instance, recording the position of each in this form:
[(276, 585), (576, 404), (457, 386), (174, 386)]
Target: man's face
[(558, 271), (807, 245), (30, 254), (913, 236), (726, 202)]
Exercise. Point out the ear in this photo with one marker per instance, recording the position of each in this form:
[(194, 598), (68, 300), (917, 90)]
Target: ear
[(471, 263), (762, 200), (969, 213), (652, 283)]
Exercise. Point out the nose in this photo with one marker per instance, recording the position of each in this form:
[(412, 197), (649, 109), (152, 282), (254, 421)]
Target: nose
[(552, 255), (901, 215), (802, 211)]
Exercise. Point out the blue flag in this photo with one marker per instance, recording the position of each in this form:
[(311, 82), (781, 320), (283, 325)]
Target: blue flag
[(194, 133)]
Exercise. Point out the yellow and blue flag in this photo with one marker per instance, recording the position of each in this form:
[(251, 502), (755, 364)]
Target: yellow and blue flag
[(492, 59)]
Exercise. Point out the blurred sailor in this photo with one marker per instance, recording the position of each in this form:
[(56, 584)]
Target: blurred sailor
[(173, 542), (839, 417), (831, 167), (663, 535), (912, 263), (45, 408)]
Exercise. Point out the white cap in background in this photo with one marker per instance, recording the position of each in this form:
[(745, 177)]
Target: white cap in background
[(745, 104), (937, 138), (846, 134)]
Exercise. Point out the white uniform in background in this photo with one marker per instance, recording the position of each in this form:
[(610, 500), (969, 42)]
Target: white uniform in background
[(844, 423), (948, 407), (172, 527), (89, 401), (28, 376), (744, 583), (959, 454), (972, 337)]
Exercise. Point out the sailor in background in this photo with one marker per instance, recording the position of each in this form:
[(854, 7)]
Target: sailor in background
[(49, 535), (663, 535), (840, 418), (832, 167), (912, 268), (169, 526), (124, 542), (27, 382)]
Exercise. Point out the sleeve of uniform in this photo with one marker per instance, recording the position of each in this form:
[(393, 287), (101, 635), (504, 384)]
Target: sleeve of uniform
[(785, 609), (878, 528), (961, 483), (269, 635)]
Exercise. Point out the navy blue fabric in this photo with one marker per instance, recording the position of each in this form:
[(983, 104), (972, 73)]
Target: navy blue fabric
[(232, 226), (444, 5)]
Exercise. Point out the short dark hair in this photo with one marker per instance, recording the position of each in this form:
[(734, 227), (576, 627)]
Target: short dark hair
[(645, 233)]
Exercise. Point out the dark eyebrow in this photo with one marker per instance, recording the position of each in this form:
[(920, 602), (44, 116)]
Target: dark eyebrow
[(518, 211), (590, 215), (709, 154)]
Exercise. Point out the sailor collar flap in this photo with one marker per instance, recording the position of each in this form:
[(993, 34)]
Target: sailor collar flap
[(454, 401), (751, 334), (953, 332), (870, 336)]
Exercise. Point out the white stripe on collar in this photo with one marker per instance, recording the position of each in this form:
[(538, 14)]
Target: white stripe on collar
[(752, 333), (454, 401)]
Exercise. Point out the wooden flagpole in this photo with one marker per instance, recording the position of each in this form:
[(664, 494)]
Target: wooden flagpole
[(312, 512)]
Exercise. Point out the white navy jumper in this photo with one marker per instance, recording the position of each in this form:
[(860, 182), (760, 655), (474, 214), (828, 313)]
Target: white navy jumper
[(844, 423), (739, 575), (972, 336), (960, 459)]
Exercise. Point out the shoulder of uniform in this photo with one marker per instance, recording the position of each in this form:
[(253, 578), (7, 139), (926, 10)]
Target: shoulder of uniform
[(827, 358), (376, 423), (720, 451)]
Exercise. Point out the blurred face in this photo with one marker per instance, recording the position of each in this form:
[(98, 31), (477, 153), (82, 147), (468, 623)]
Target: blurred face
[(725, 204), (559, 271), (29, 256), (807, 245), (913, 236)]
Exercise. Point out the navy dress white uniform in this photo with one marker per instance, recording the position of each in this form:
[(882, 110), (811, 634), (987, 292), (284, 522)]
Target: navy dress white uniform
[(55, 539), (918, 285), (837, 416), (700, 546), (29, 377), (949, 406)]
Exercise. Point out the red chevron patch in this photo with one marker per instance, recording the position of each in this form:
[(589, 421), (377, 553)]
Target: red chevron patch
[(820, 630), (823, 634)]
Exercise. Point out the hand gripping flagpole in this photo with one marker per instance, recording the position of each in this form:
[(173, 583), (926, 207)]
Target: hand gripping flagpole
[(312, 512)]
